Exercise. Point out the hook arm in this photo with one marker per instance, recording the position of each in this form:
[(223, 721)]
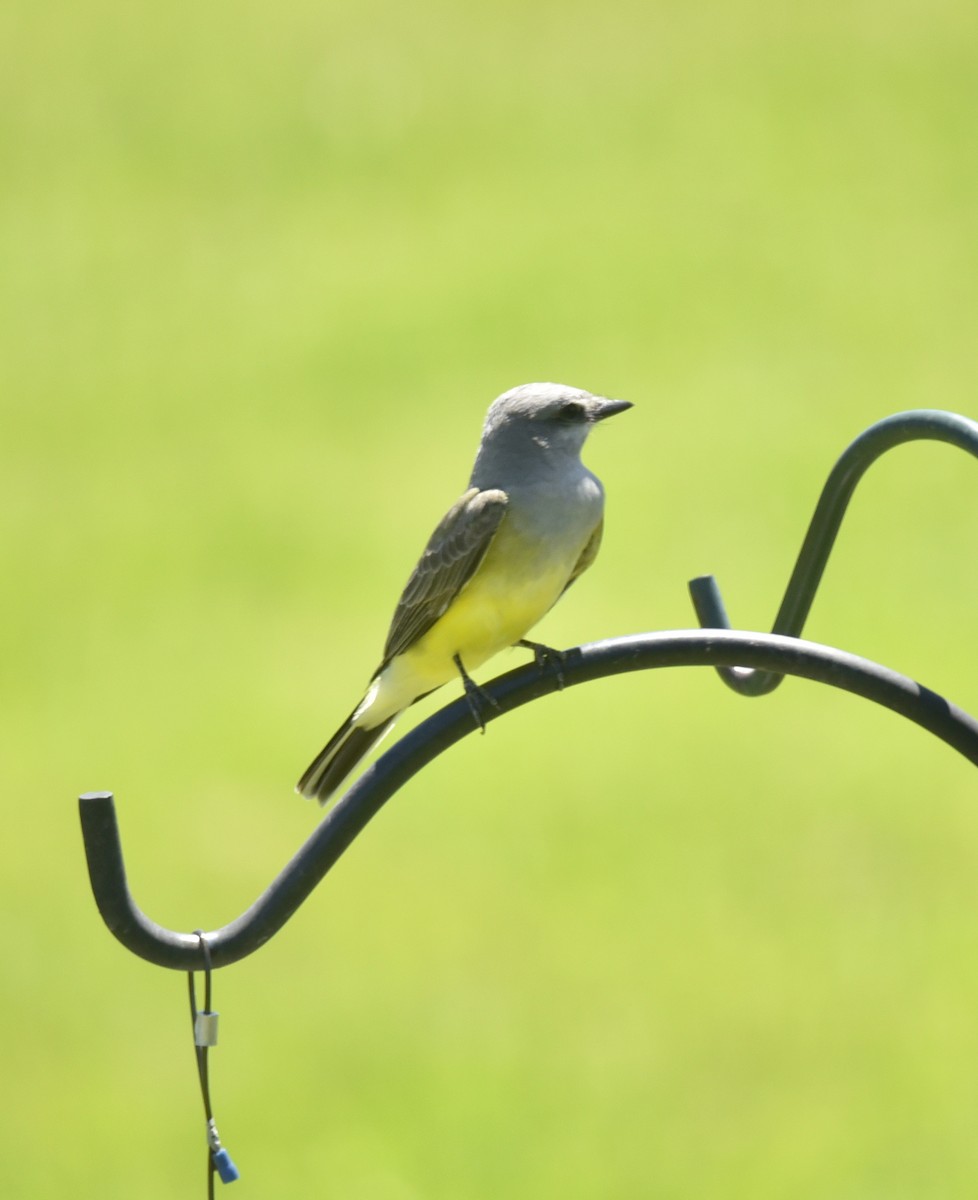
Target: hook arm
[(917, 424), (121, 914), (713, 648)]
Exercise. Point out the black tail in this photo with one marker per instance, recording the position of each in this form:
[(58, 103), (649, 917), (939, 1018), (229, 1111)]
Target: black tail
[(337, 759)]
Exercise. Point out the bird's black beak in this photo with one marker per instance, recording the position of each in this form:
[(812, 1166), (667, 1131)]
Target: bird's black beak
[(608, 408)]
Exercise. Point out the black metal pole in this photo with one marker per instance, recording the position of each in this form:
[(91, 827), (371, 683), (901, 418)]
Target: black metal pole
[(713, 648)]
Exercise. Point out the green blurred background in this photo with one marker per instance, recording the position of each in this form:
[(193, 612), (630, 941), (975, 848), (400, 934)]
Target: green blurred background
[(261, 265)]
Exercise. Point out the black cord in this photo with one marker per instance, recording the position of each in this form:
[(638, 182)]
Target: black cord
[(200, 1052), (204, 1023)]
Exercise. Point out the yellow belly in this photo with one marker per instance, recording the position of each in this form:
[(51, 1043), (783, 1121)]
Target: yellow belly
[(513, 588), (496, 610)]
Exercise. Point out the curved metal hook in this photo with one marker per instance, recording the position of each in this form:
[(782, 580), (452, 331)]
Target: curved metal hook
[(406, 757), (922, 423)]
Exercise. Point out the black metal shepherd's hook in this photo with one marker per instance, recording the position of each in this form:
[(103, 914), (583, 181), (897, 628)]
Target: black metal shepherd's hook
[(406, 757), (921, 423), (752, 663)]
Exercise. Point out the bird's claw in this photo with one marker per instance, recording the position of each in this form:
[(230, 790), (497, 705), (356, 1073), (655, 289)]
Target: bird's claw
[(546, 657), (476, 697)]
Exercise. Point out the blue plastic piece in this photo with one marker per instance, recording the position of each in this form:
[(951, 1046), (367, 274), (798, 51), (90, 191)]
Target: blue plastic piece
[(225, 1167)]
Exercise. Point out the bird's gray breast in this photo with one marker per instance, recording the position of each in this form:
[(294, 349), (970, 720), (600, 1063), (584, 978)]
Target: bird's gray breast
[(563, 510)]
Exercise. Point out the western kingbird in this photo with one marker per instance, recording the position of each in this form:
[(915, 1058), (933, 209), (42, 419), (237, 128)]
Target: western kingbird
[(504, 553)]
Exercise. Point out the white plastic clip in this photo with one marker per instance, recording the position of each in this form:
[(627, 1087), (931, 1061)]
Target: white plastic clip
[(205, 1028)]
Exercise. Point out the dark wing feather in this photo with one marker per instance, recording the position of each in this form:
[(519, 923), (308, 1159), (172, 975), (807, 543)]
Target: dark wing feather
[(449, 561), (588, 554)]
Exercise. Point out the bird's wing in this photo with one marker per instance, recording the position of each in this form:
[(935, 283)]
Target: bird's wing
[(450, 559), (588, 554)]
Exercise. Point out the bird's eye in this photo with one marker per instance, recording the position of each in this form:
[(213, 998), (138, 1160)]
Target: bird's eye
[(572, 411)]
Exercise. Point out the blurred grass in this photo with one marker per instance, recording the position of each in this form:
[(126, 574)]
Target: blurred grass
[(261, 271)]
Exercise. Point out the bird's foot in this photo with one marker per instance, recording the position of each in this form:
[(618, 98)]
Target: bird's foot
[(476, 696), (546, 657)]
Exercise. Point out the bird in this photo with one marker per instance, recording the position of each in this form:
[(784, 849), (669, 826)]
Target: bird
[(528, 524)]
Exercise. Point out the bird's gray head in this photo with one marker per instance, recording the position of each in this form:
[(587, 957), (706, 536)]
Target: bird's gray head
[(545, 416)]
